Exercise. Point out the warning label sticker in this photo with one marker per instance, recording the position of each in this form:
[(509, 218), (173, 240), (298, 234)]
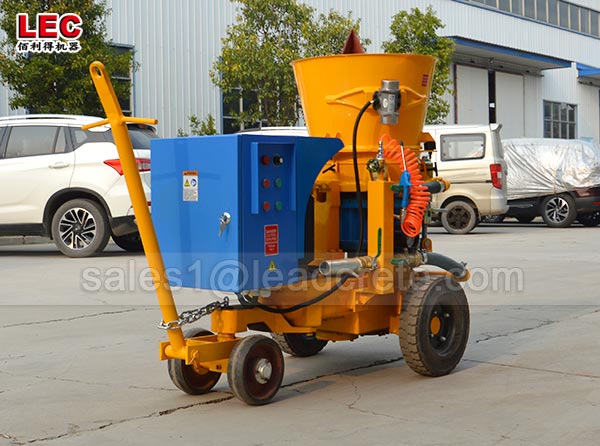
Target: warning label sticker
[(190, 185), (271, 240)]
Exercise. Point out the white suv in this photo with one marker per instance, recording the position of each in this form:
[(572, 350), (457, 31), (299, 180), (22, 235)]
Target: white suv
[(59, 181)]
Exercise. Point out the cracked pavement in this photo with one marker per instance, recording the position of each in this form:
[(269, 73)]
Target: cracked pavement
[(80, 367)]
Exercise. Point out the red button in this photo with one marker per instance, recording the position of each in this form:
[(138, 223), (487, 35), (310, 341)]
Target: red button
[(266, 183), (266, 160), (266, 205)]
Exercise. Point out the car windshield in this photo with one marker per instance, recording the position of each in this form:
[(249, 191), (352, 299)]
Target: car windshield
[(140, 135)]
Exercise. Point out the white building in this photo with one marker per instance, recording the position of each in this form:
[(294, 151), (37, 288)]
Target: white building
[(532, 65)]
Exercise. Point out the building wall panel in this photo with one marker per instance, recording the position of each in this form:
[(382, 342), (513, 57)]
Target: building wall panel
[(472, 91), (509, 104), (533, 107), (176, 45)]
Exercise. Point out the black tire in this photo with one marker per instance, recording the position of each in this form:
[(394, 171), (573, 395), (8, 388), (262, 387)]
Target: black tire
[(129, 242), (558, 211), (192, 379), (255, 370), (80, 228), (589, 219), (299, 344), (525, 218), (459, 217), (434, 325), (492, 218)]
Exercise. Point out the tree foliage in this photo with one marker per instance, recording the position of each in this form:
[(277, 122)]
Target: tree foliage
[(60, 83), (258, 50), (328, 33), (416, 32), (200, 127)]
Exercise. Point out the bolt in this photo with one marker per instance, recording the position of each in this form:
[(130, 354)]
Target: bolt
[(263, 371)]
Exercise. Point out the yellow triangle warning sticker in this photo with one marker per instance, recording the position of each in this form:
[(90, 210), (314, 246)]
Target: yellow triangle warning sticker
[(272, 266), (187, 183)]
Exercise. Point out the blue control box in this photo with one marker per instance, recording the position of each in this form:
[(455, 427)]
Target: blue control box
[(229, 210)]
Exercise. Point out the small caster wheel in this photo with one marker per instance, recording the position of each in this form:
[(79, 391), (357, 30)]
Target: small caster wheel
[(192, 379), (255, 370), (299, 344)]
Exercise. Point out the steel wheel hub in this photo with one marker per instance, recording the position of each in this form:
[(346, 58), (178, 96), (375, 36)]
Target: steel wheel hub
[(440, 327), (263, 371)]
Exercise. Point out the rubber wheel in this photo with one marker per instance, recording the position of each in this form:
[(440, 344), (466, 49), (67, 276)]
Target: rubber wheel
[(492, 218), (459, 218), (558, 211), (80, 228), (434, 325), (129, 242), (299, 344), (525, 218), (255, 369), (192, 379), (592, 219)]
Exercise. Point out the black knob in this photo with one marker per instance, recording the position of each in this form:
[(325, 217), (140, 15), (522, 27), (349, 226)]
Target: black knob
[(277, 160)]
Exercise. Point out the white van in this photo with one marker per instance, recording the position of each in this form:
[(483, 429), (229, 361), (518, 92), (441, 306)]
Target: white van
[(471, 157)]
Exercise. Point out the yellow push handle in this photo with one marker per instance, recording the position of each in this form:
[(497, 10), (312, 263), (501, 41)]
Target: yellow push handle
[(118, 122)]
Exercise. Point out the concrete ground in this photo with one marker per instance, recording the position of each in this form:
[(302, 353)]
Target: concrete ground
[(79, 366)]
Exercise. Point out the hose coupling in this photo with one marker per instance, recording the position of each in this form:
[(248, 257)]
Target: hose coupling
[(351, 266), (410, 259)]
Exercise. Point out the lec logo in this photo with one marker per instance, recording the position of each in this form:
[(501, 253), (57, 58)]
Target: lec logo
[(50, 26)]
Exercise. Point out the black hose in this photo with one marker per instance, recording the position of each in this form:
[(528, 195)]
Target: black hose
[(434, 187), (459, 270), (253, 302), (361, 214)]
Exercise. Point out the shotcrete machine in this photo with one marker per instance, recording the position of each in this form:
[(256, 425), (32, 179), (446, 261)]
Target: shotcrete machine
[(311, 239)]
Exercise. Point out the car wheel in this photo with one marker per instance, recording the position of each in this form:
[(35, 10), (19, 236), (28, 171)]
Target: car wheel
[(492, 218), (525, 218), (558, 211), (129, 242), (589, 219), (459, 218), (80, 228)]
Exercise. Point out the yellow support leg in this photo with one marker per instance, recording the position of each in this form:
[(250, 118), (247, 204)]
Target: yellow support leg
[(118, 123), (381, 217)]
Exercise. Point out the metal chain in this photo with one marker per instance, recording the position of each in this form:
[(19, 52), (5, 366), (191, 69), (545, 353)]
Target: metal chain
[(187, 317)]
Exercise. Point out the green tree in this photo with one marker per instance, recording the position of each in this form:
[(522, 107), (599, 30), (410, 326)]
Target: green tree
[(327, 34), (53, 82), (200, 128), (259, 48), (416, 32)]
